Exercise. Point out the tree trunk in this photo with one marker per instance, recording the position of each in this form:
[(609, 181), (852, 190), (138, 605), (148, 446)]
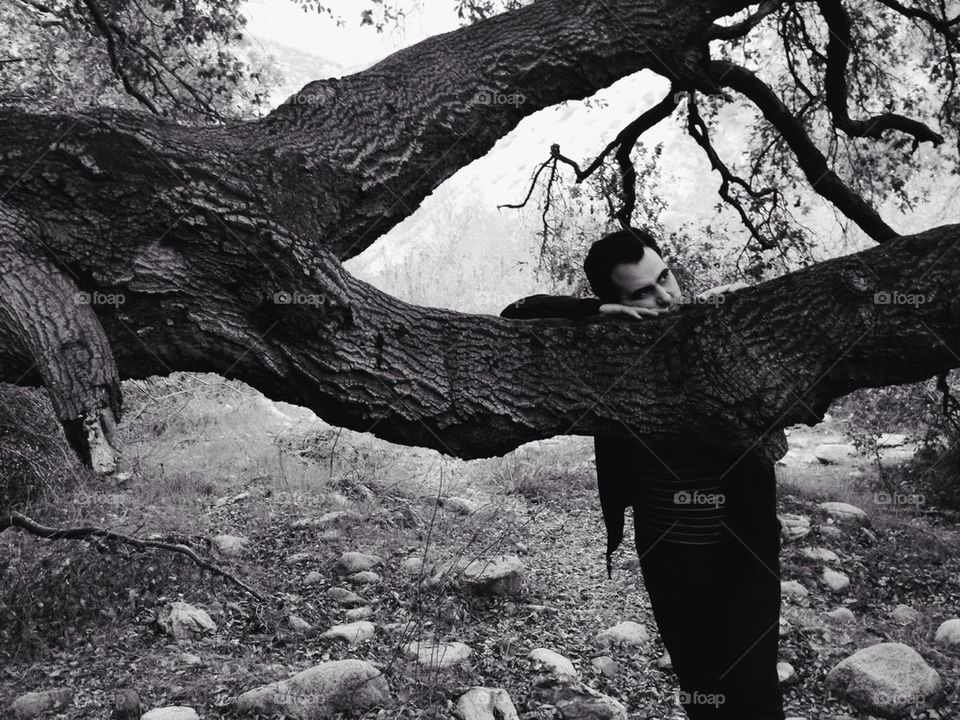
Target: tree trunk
[(218, 249)]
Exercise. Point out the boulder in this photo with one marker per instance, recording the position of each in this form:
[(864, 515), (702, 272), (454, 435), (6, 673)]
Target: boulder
[(354, 562), (624, 633), (793, 527), (181, 620), (576, 701), (819, 554), (171, 712), (342, 596), (606, 666), (785, 673), (500, 575), (352, 686), (438, 654), (793, 589), (549, 662), (845, 512), (836, 581), (35, 704), (480, 703), (459, 505), (840, 616), (353, 633), (887, 679), (835, 453), (904, 614), (948, 635), (229, 545)]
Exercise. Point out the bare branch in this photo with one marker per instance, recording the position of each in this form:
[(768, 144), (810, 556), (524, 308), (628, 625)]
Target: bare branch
[(15, 519), (699, 132), (809, 157), (737, 30), (940, 24), (835, 82)]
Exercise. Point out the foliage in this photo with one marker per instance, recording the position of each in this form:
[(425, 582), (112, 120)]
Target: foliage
[(183, 59)]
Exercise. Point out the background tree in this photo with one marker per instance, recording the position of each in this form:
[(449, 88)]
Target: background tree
[(136, 246)]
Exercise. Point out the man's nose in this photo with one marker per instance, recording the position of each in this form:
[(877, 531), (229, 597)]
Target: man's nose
[(664, 298)]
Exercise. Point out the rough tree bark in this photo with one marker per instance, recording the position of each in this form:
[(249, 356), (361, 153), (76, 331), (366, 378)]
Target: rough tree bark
[(132, 247)]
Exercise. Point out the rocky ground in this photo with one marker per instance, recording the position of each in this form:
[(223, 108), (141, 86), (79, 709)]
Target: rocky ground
[(398, 583)]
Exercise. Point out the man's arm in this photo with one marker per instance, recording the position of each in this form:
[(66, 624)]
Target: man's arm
[(551, 306), (564, 306)]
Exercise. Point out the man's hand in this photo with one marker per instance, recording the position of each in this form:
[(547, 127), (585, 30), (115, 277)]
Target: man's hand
[(638, 313), (721, 289)]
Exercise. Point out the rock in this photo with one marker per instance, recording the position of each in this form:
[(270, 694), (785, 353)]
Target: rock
[(313, 578), (552, 663), (353, 633), (229, 545), (845, 512), (412, 566), (126, 705), (438, 654), (839, 616), (345, 597), (793, 589), (888, 679), (836, 581), (191, 660), (459, 505), (364, 577), (576, 701), (948, 635), (625, 633), (835, 453), (34, 704), (793, 527), (830, 531), (352, 686), (338, 517), (180, 620), (480, 703), (172, 712), (298, 624), (819, 554), (785, 673), (354, 562), (360, 613), (904, 614), (889, 440), (665, 663), (891, 457), (606, 665), (300, 557), (500, 575)]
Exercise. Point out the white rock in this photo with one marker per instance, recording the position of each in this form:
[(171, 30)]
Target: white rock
[(948, 634), (500, 575), (480, 703), (345, 597), (577, 701), (412, 565), (889, 440), (353, 633), (840, 616), (793, 527), (298, 624), (819, 554), (836, 581), (354, 562), (459, 505), (624, 633), (438, 654), (360, 613), (181, 620), (845, 512), (313, 578), (171, 712), (835, 453), (548, 661), (793, 589), (888, 679), (34, 704), (606, 665), (190, 659), (352, 686), (230, 545), (364, 577), (830, 531), (665, 663), (785, 673), (299, 557), (904, 614)]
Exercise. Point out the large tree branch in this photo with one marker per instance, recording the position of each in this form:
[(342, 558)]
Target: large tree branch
[(742, 28), (835, 83), (811, 161)]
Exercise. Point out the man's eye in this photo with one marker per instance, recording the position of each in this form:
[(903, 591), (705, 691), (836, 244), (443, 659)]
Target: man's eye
[(665, 276)]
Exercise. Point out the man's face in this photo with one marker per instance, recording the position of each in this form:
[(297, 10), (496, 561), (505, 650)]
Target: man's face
[(648, 283)]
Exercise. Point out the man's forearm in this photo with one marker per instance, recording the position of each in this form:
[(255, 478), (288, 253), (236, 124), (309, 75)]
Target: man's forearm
[(551, 306)]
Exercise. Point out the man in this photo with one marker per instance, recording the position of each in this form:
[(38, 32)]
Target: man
[(705, 523)]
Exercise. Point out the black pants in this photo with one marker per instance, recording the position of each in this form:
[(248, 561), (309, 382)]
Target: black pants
[(717, 607)]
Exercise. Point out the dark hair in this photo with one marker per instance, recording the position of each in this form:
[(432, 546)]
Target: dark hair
[(623, 246)]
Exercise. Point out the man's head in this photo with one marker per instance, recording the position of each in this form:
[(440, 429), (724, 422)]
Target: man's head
[(625, 267)]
